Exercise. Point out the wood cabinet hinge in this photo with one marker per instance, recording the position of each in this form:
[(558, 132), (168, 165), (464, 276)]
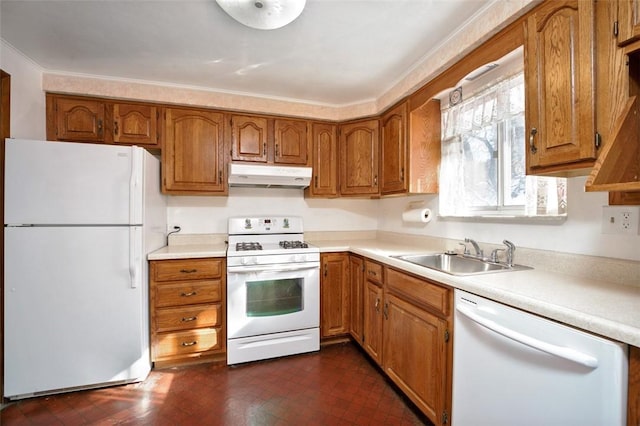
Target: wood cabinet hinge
[(597, 140), (616, 28), (445, 417), (446, 335)]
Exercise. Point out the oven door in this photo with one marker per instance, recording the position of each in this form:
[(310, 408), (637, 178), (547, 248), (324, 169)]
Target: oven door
[(268, 299)]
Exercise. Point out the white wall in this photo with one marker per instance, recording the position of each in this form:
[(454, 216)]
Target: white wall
[(28, 112), (210, 214), (580, 233)]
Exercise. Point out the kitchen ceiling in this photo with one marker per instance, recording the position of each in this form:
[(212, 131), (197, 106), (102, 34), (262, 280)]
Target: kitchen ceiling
[(336, 53)]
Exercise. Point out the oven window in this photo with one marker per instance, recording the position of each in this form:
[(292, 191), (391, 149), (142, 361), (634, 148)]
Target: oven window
[(274, 297)]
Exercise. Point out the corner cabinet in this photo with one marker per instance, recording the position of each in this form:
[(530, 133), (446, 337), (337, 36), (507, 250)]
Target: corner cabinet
[(559, 87), (334, 295), (359, 158), (356, 289), (193, 154), (187, 300), (393, 161), (324, 145)]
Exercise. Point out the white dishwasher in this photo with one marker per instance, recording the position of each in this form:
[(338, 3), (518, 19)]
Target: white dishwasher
[(514, 368)]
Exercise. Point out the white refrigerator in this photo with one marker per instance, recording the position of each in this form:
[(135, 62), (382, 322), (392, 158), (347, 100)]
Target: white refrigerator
[(79, 221)]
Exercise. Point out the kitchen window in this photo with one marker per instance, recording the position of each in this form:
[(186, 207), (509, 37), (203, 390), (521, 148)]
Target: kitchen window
[(483, 164)]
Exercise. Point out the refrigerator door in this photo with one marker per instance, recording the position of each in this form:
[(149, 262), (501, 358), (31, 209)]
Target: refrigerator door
[(66, 183), (73, 315)]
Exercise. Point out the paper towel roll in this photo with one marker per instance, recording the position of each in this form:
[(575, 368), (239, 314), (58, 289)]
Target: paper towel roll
[(417, 216)]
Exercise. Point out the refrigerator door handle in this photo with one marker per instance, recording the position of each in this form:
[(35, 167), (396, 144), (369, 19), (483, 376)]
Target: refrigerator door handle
[(134, 187), (134, 253), (559, 351)]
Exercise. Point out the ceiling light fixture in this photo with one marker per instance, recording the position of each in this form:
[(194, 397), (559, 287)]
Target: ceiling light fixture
[(263, 14)]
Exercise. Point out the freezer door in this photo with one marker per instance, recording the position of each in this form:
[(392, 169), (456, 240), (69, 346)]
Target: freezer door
[(72, 183), (73, 316)]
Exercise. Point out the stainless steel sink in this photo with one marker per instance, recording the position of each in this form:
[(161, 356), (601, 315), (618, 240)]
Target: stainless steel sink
[(456, 264)]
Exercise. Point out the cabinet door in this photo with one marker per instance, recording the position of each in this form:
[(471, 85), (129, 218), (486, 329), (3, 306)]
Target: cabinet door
[(356, 283), (359, 146), (628, 21), (373, 320), (78, 120), (334, 290), (193, 153), (415, 355), (291, 145), (393, 151), (559, 81), (249, 138), (325, 161), (135, 124)]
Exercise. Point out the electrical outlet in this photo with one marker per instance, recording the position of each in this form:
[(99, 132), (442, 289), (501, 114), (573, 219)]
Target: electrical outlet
[(173, 227), (620, 220)]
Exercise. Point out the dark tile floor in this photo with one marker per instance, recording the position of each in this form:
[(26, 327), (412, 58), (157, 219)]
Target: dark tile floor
[(337, 386)]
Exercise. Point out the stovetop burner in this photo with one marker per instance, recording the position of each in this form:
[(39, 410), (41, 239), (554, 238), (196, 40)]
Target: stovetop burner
[(293, 244), (248, 246)]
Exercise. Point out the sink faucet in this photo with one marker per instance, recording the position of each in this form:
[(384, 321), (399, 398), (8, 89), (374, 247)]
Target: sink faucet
[(510, 249), (476, 247)]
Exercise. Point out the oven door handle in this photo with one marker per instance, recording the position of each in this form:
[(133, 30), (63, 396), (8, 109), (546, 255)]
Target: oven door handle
[(271, 268)]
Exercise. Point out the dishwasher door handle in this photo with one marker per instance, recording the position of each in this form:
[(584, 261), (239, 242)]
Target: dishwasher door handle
[(559, 351)]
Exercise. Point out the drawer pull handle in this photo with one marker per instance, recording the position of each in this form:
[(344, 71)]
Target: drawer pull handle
[(191, 293), (188, 319), (188, 271), (189, 343), (372, 273)]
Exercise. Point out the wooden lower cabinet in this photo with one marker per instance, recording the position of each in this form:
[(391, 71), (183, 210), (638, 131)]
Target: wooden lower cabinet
[(187, 310), (356, 284), (372, 324), (406, 330), (415, 355), (633, 399), (334, 295)]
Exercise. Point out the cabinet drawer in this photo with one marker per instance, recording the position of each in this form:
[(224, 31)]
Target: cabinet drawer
[(419, 291), (373, 271), (188, 342), (189, 269), (189, 293), (184, 318)]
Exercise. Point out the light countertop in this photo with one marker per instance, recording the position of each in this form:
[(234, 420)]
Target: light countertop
[(601, 307)]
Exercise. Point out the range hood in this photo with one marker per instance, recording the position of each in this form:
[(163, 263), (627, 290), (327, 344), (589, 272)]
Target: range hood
[(263, 176)]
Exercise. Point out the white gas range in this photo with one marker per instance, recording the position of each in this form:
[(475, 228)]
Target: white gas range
[(273, 289)]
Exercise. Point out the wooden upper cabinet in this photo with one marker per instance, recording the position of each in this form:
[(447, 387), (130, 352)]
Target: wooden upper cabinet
[(559, 85), (324, 181), (359, 163), (249, 138), (393, 164), (75, 120), (291, 144), (628, 20), (193, 154), (135, 124)]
